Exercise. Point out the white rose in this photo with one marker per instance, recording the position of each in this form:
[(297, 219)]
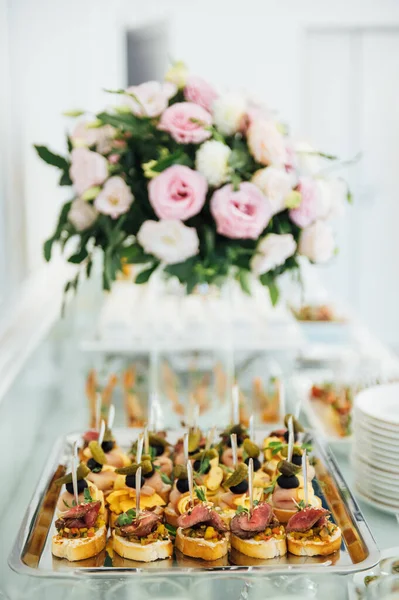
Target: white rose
[(228, 112), (170, 241), (317, 242), (276, 184), (84, 135), (266, 143), (149, 99), (87, 169), (115, 198), (212, 161), (309, 162), (332, 197), (82, 214), (177, 74), (272, 251)]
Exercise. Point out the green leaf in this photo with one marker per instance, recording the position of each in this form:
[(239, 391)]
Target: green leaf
[(73, 113), (177, 158), (145, 275), (78, 257), (127, 122), (126, 518), (135, 255), (170, 529), (47, 248), (235, 181), (87, 496), (55, 160), (65, 179), (243, 280), (183, 271), (242, 510), (204, 466), (199, 492), (238, 159), (209, 238)]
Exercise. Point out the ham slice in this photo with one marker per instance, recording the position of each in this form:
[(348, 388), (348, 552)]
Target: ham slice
[(202, 515), (305, 519), (142, 526), (245, 526)]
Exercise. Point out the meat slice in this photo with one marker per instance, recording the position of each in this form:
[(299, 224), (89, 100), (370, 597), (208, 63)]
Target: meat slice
[(90, 436), (245, 526), (202, 515), (142, 526), (305, 519), (82, 515)]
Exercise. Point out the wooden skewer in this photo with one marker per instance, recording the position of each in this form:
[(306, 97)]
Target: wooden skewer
[(140, 443), (74, 472), (305, 478), (138, 491), (101, 432), (233, 439), (185, 446), (290, 439), (190, 481), (251, 485)]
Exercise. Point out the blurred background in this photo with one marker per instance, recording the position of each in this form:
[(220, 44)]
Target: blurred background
[(329, 69)]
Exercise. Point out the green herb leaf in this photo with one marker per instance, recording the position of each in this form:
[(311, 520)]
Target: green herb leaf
[(87, 496), (171, 529), (270, 488), (145, 275), (126, 518), (55, 160), (65, 179), (243, 279), (66, 504), (199, 492), (47, 248), (242, 510)]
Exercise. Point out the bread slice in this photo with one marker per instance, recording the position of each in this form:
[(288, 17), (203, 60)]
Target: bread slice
[(79, 548), (142, 553), (171, 516), (309, 547), (259, 549), (200, 548)]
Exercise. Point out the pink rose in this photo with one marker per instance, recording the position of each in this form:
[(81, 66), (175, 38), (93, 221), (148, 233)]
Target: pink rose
[(87, 169), (200, 92), (177, 193), (243, 214), (307, 211), (266, 143), (186, 122), (149, 99)]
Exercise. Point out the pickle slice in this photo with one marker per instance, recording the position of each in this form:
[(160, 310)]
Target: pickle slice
[(180, 472), (238, 476), (194, 438), (251, 448), (81, 473), (108, 437), (146, 467), (288, 468), (97, 453), (295, 423), (157, 440)]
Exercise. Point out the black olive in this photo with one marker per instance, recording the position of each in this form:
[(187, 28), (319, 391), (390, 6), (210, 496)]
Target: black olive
[(94, 466), (240, 441), (257, 463), (197, 467), (297, 460), (131, 481), (108, 446), (288, 482), (82, 485), (158, 450), (241, 488), (286, 435), (148, 475), (182, 485)]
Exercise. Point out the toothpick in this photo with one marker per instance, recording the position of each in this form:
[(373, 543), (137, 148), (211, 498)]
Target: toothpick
[(281, 393), (139, 452), (146, 440), (233, 440), (235, 399), (251, 428), (111, 416), (305, 477), (138, 490), (298, 408), (102, 432), (74, 472), (190, 481), (185, 446), (195, 416), (251, 485), (210, 437), (98, 410), (290, 439)]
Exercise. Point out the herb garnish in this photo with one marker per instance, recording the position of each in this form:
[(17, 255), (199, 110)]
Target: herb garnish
[(126, 518), (87, 496), (242, 510), (270, 488), (199, 492), (164, 477), (170, 529)]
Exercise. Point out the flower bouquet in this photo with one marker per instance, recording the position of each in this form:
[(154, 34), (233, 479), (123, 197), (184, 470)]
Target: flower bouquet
[(201, 184)]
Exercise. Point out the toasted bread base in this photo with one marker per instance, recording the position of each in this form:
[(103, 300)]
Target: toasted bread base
[(80, 548), (312, 548), (259, 549), (200, 548), (147, 553)]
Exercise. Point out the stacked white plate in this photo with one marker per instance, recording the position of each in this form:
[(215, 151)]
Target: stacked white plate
[(375, 449)]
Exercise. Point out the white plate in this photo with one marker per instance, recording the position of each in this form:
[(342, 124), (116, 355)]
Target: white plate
[(387, 508), (360, 423), (390, 431), (387, 454), (391, 468), (375, 475), (378, 445), (358, 578), (375, 490), (380, 402)]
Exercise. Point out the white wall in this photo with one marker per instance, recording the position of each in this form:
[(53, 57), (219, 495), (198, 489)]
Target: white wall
[(64, 53)]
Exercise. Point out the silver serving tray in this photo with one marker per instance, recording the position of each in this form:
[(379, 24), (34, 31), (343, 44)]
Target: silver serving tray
[(31, 554)]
